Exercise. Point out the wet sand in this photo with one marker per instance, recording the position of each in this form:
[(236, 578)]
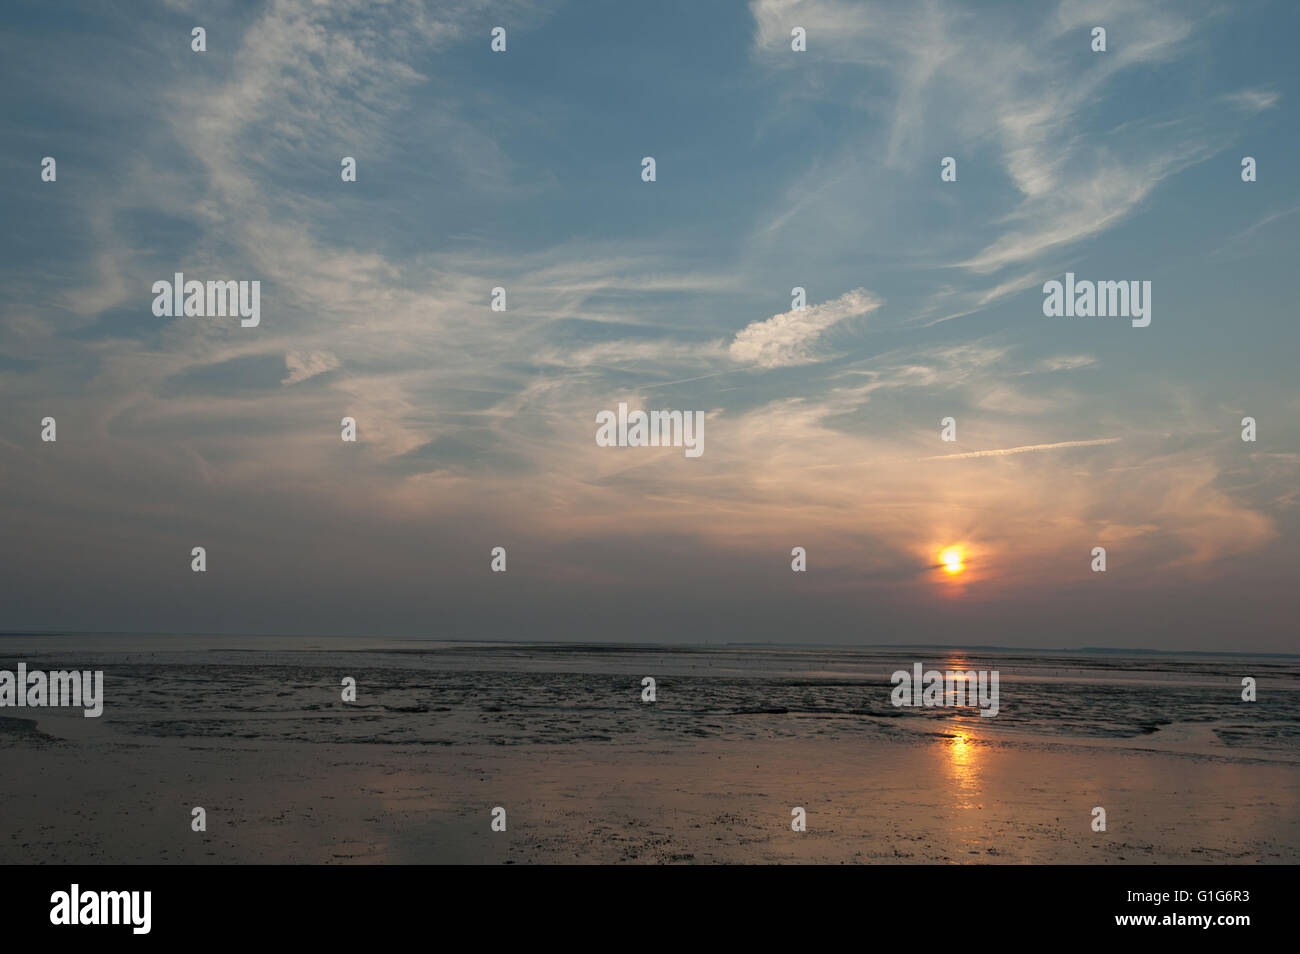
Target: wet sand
[(74, 793)]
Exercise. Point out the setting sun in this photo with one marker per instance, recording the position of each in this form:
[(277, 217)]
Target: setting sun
[(951, 559)]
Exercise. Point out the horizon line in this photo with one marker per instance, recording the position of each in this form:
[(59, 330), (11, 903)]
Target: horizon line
[(687, 645)]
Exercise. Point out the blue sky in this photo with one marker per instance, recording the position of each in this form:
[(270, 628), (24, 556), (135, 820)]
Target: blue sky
[(774, 169)]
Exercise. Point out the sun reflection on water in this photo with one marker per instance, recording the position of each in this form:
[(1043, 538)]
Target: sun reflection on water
[(963, 757)]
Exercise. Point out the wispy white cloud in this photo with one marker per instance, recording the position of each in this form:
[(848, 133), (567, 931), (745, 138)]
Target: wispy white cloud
[(1253, 100), (791, 338), (1024, 449), (984, 85)]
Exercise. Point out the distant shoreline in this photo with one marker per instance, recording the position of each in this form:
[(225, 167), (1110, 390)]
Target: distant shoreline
[(678, 647)]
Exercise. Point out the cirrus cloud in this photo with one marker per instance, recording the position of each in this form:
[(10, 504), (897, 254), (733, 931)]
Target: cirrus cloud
[(790, 338)]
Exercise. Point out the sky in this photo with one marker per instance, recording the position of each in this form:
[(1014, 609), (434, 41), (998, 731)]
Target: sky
[(774, 168)]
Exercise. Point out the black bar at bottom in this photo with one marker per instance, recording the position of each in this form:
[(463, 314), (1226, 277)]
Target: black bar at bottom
[(306, 904)]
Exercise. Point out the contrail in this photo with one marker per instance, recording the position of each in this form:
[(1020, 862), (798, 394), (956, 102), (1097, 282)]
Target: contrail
[(1003, 451)]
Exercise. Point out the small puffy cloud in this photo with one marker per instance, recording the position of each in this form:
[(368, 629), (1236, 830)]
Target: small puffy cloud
[(788, 339), (302, 365)]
